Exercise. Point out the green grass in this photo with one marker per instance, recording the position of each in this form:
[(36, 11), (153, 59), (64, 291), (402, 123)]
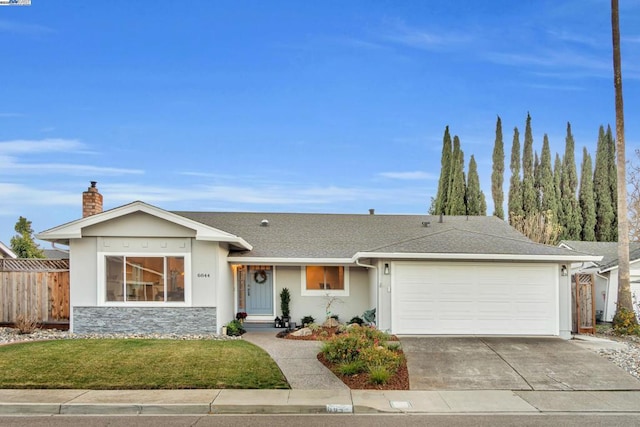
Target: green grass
[(138, 364)]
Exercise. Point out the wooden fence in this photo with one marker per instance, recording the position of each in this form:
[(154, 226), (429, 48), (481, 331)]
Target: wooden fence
[(584, 305), (37, 288)]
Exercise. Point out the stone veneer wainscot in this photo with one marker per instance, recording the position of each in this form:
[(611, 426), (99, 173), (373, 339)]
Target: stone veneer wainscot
[(144, 320)]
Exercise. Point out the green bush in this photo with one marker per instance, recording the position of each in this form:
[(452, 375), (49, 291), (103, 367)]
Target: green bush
[(235, 329), (357, 320), (307, 320), (352, 368), (364, 349), (625, 322), (379, 375), (380, 356)]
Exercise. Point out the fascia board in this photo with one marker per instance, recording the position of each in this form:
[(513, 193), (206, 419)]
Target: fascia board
[(488, 257), (289, 261)]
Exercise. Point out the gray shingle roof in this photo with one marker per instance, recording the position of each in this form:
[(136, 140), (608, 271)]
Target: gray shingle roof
[(608, 251), (292, 235)]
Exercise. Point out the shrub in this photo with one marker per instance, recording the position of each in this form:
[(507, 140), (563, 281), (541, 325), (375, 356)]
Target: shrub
[(235, 329), (285, 298), (380, 356), (26, 324), (352, 368), (307, 320), (344, 348), (625, 322), (357, 320), (314, 327), (379, 375)]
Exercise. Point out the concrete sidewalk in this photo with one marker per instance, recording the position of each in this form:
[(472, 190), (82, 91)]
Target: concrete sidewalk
[(194, 402)]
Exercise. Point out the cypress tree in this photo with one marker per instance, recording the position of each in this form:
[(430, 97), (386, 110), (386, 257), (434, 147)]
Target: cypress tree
[(515, 187), (586, 199), (457, 192), (440, 204), (613, 182), (529, 204), (548, 201), (497, 176), (571, 217), (602, 191), (557, 178), (476, 204), (537, 184)]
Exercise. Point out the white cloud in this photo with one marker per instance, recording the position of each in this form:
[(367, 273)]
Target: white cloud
[(11, 164), (416, 175), (21, 146), (426, 39)]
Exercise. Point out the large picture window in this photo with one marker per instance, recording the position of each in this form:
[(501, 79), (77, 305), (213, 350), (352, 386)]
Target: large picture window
[(318, 279), (144, 279)]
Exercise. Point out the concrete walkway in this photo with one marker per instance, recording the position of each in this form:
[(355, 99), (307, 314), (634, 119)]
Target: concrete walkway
[(198, 402), (297, 359)]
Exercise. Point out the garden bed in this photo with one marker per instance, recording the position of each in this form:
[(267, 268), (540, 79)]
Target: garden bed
[(362, 381)]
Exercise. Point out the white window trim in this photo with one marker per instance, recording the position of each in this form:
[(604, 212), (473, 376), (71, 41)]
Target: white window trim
[(324, 292), (102, 285)]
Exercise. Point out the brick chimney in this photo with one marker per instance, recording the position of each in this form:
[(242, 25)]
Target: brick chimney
[(91, 201)]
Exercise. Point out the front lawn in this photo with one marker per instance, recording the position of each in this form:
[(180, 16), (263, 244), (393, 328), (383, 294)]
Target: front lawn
[(102, 364)]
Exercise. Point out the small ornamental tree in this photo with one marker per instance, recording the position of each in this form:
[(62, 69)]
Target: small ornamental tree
[(285, 298), (22, 243)]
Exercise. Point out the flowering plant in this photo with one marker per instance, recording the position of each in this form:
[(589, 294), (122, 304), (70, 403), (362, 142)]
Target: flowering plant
[(241, 315)]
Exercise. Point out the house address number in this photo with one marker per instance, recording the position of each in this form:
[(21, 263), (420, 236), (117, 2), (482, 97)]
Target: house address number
[(204, 275)]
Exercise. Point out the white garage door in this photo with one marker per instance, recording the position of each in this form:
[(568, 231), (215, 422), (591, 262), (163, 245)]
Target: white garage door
[(474, 298)]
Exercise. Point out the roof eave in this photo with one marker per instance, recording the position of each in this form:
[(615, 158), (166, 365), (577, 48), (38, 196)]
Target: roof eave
[(482, 257)]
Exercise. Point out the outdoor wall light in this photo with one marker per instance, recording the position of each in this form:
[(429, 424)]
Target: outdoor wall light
[(563, 270), (386, 268)]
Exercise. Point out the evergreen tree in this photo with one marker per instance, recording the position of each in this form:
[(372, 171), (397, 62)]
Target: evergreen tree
[(557, 178), (476, 204), (586, 199), (613, 182), (548, 201), (529, 203), (440, 204), (605, 214), (457, 192), (22, 244), (497, 176), (571, 217), (537, 184), (515, 186)]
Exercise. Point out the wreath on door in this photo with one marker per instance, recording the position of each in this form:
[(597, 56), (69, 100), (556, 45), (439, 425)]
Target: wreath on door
[(260, 276)]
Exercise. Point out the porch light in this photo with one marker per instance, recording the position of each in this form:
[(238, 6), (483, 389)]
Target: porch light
[(386, 268), (563, 270)]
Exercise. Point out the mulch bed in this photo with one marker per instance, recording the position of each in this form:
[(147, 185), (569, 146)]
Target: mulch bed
[(399, 381)]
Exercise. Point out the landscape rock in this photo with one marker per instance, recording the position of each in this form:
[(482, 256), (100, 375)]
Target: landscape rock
[(304, 332), (331, 323)]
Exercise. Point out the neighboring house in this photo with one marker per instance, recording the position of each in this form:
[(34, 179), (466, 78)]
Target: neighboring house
[(6, 252), (139, 268), (606, 273), (55, 253)]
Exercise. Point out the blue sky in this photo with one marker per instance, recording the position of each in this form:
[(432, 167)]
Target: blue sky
[(326, 106)]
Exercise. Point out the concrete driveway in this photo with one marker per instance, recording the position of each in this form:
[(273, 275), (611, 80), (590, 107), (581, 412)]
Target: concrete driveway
[(496, 363)]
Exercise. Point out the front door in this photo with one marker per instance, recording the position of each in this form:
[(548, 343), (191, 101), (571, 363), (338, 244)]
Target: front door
[(259, 291)]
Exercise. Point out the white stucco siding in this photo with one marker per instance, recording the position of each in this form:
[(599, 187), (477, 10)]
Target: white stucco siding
[(138, 224), (223, 288), (345, 307), (83, 273), (206, 272)]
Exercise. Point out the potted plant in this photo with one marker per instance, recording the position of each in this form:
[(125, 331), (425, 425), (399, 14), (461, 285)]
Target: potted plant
[(240, 316), (285, 298)]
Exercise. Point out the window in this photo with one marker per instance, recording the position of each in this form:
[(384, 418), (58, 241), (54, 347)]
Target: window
[(144, 279), (318, 279)]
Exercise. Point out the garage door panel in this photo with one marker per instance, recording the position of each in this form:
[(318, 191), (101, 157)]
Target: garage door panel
[(474, 298)]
